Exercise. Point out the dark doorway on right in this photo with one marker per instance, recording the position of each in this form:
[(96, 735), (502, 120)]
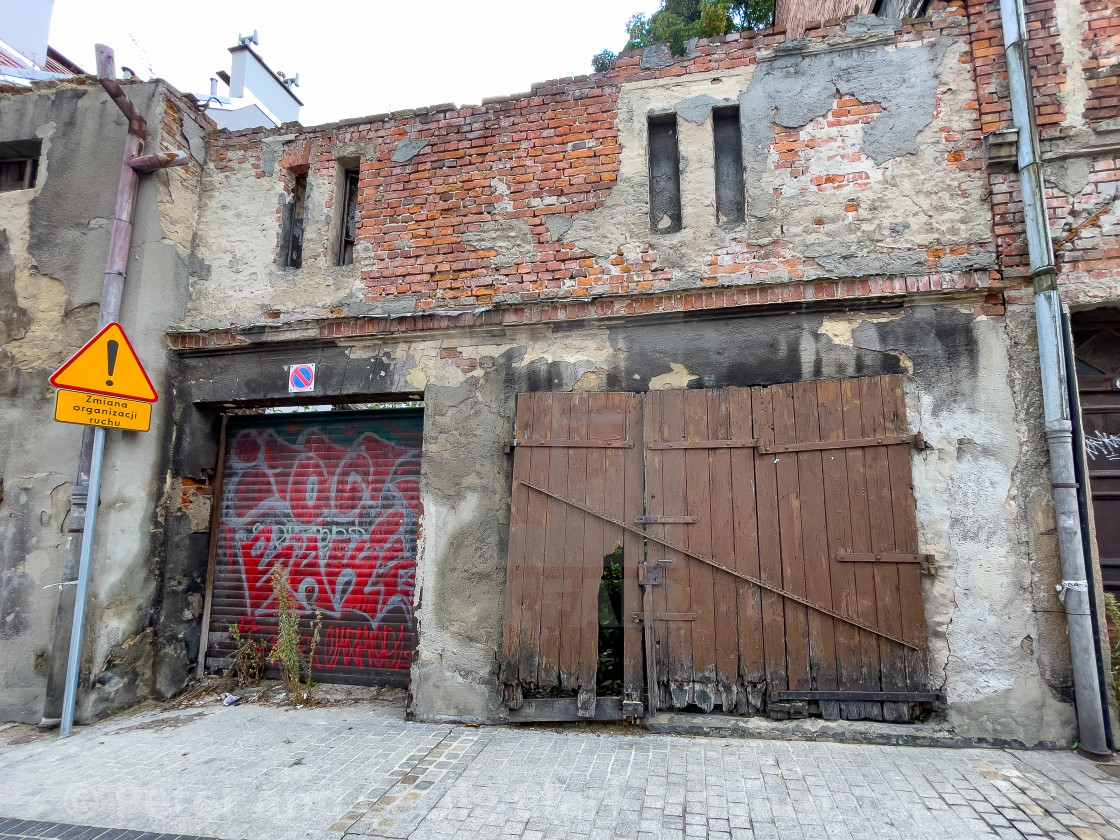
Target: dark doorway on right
[(1096, 342)]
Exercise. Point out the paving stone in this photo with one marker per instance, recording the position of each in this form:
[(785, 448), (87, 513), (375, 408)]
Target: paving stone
[(252, 773)]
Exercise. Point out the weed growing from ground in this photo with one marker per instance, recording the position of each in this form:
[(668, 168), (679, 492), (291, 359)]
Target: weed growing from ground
[(1113, 609), (286, 654)]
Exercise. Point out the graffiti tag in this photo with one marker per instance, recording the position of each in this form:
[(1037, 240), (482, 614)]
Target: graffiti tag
[(343, 520)]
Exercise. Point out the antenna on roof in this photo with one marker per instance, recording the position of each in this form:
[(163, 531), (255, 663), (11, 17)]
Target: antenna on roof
[(246, 40)]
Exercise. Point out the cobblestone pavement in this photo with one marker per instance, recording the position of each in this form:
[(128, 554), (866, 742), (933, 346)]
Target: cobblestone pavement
[(343, 773)]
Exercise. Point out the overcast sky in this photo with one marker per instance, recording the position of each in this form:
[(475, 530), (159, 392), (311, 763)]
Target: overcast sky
[(354, 58)]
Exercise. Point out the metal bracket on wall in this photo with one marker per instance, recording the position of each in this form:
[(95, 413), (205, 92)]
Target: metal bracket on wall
[(516, 443), (915, 440)]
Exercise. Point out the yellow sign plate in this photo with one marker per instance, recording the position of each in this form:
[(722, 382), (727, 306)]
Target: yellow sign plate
[(107, 365), (96, 410)]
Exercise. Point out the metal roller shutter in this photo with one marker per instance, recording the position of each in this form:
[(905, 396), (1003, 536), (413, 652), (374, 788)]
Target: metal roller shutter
[(334, 497)]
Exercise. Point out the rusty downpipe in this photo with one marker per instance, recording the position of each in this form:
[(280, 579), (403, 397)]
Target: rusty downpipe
[(71, 609), (116, 268)]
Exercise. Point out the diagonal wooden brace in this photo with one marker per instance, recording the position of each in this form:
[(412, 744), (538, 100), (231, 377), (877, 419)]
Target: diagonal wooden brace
[(785, 593)]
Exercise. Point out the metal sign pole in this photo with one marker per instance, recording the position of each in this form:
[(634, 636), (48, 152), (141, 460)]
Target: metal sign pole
[(74, 662)]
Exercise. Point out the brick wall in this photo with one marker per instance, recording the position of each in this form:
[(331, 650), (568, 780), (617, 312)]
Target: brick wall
[(1083, 219), (1102, 69), (556, 151)]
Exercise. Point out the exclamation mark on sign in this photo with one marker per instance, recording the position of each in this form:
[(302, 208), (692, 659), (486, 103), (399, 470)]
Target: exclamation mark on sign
[(112, 347)]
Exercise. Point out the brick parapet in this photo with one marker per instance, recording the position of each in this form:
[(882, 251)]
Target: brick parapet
[(556, 150)]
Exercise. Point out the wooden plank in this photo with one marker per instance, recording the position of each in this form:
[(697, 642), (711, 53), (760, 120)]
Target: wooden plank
[(814, 537), (678, 586), (830, 411), (892, 666), (871, 696), (633, 679), (571, 444), (698, 538), (790, 534), (752, 661), (552, 591), (528, 654), (725, 588), (515, 565), (770, 548), (592, 570), (571, 614), (544, 709), (869, 677), (906, 536), (656, 554)]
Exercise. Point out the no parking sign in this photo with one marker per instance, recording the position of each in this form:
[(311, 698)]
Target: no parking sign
[(301, 379)]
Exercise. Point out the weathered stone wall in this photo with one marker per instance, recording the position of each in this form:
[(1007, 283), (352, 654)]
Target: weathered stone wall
[(53, 247), (1000, 660), (508, 248), (1074, 68)]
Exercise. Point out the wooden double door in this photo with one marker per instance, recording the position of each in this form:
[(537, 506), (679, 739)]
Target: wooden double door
[(747, 550)]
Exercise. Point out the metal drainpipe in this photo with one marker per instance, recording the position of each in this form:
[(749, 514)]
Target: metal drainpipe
[(112, 293), (1059, 427)]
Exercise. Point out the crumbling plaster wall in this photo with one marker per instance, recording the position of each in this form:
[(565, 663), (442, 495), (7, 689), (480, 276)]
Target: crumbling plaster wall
[(1000, 661), (834, 189), (861, 152), (53, 246), (237, 276)]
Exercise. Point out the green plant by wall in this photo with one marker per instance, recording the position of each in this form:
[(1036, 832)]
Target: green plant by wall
[(247, 667), (1112, 608), (678, 21), (286, 654)]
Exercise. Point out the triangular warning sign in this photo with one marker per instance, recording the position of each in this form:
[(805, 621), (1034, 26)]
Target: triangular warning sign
[(107, 365)]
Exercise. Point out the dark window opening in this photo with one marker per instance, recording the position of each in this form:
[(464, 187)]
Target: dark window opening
[(348, 229), (730, 194), (664, 175), (19, 164), (294, 250)]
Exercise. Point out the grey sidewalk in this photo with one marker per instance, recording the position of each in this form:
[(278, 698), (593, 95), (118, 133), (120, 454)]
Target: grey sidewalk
[(272, 774)]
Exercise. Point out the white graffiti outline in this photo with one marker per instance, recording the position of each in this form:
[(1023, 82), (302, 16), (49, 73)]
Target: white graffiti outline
[(1100, 443), (346, 531)]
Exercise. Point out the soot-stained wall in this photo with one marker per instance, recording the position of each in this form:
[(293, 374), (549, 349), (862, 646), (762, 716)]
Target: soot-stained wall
[(54, 241), (968, 481)]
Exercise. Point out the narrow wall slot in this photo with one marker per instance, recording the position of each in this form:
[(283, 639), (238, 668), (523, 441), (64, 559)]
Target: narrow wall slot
[(293, 250), (664, 175), (348, 229), (730, 194)]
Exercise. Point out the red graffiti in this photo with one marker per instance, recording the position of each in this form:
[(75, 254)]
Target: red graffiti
[(342, 517)]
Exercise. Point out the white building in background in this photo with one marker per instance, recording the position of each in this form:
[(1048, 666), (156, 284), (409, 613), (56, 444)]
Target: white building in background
[(254, 94), (25, 56)]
